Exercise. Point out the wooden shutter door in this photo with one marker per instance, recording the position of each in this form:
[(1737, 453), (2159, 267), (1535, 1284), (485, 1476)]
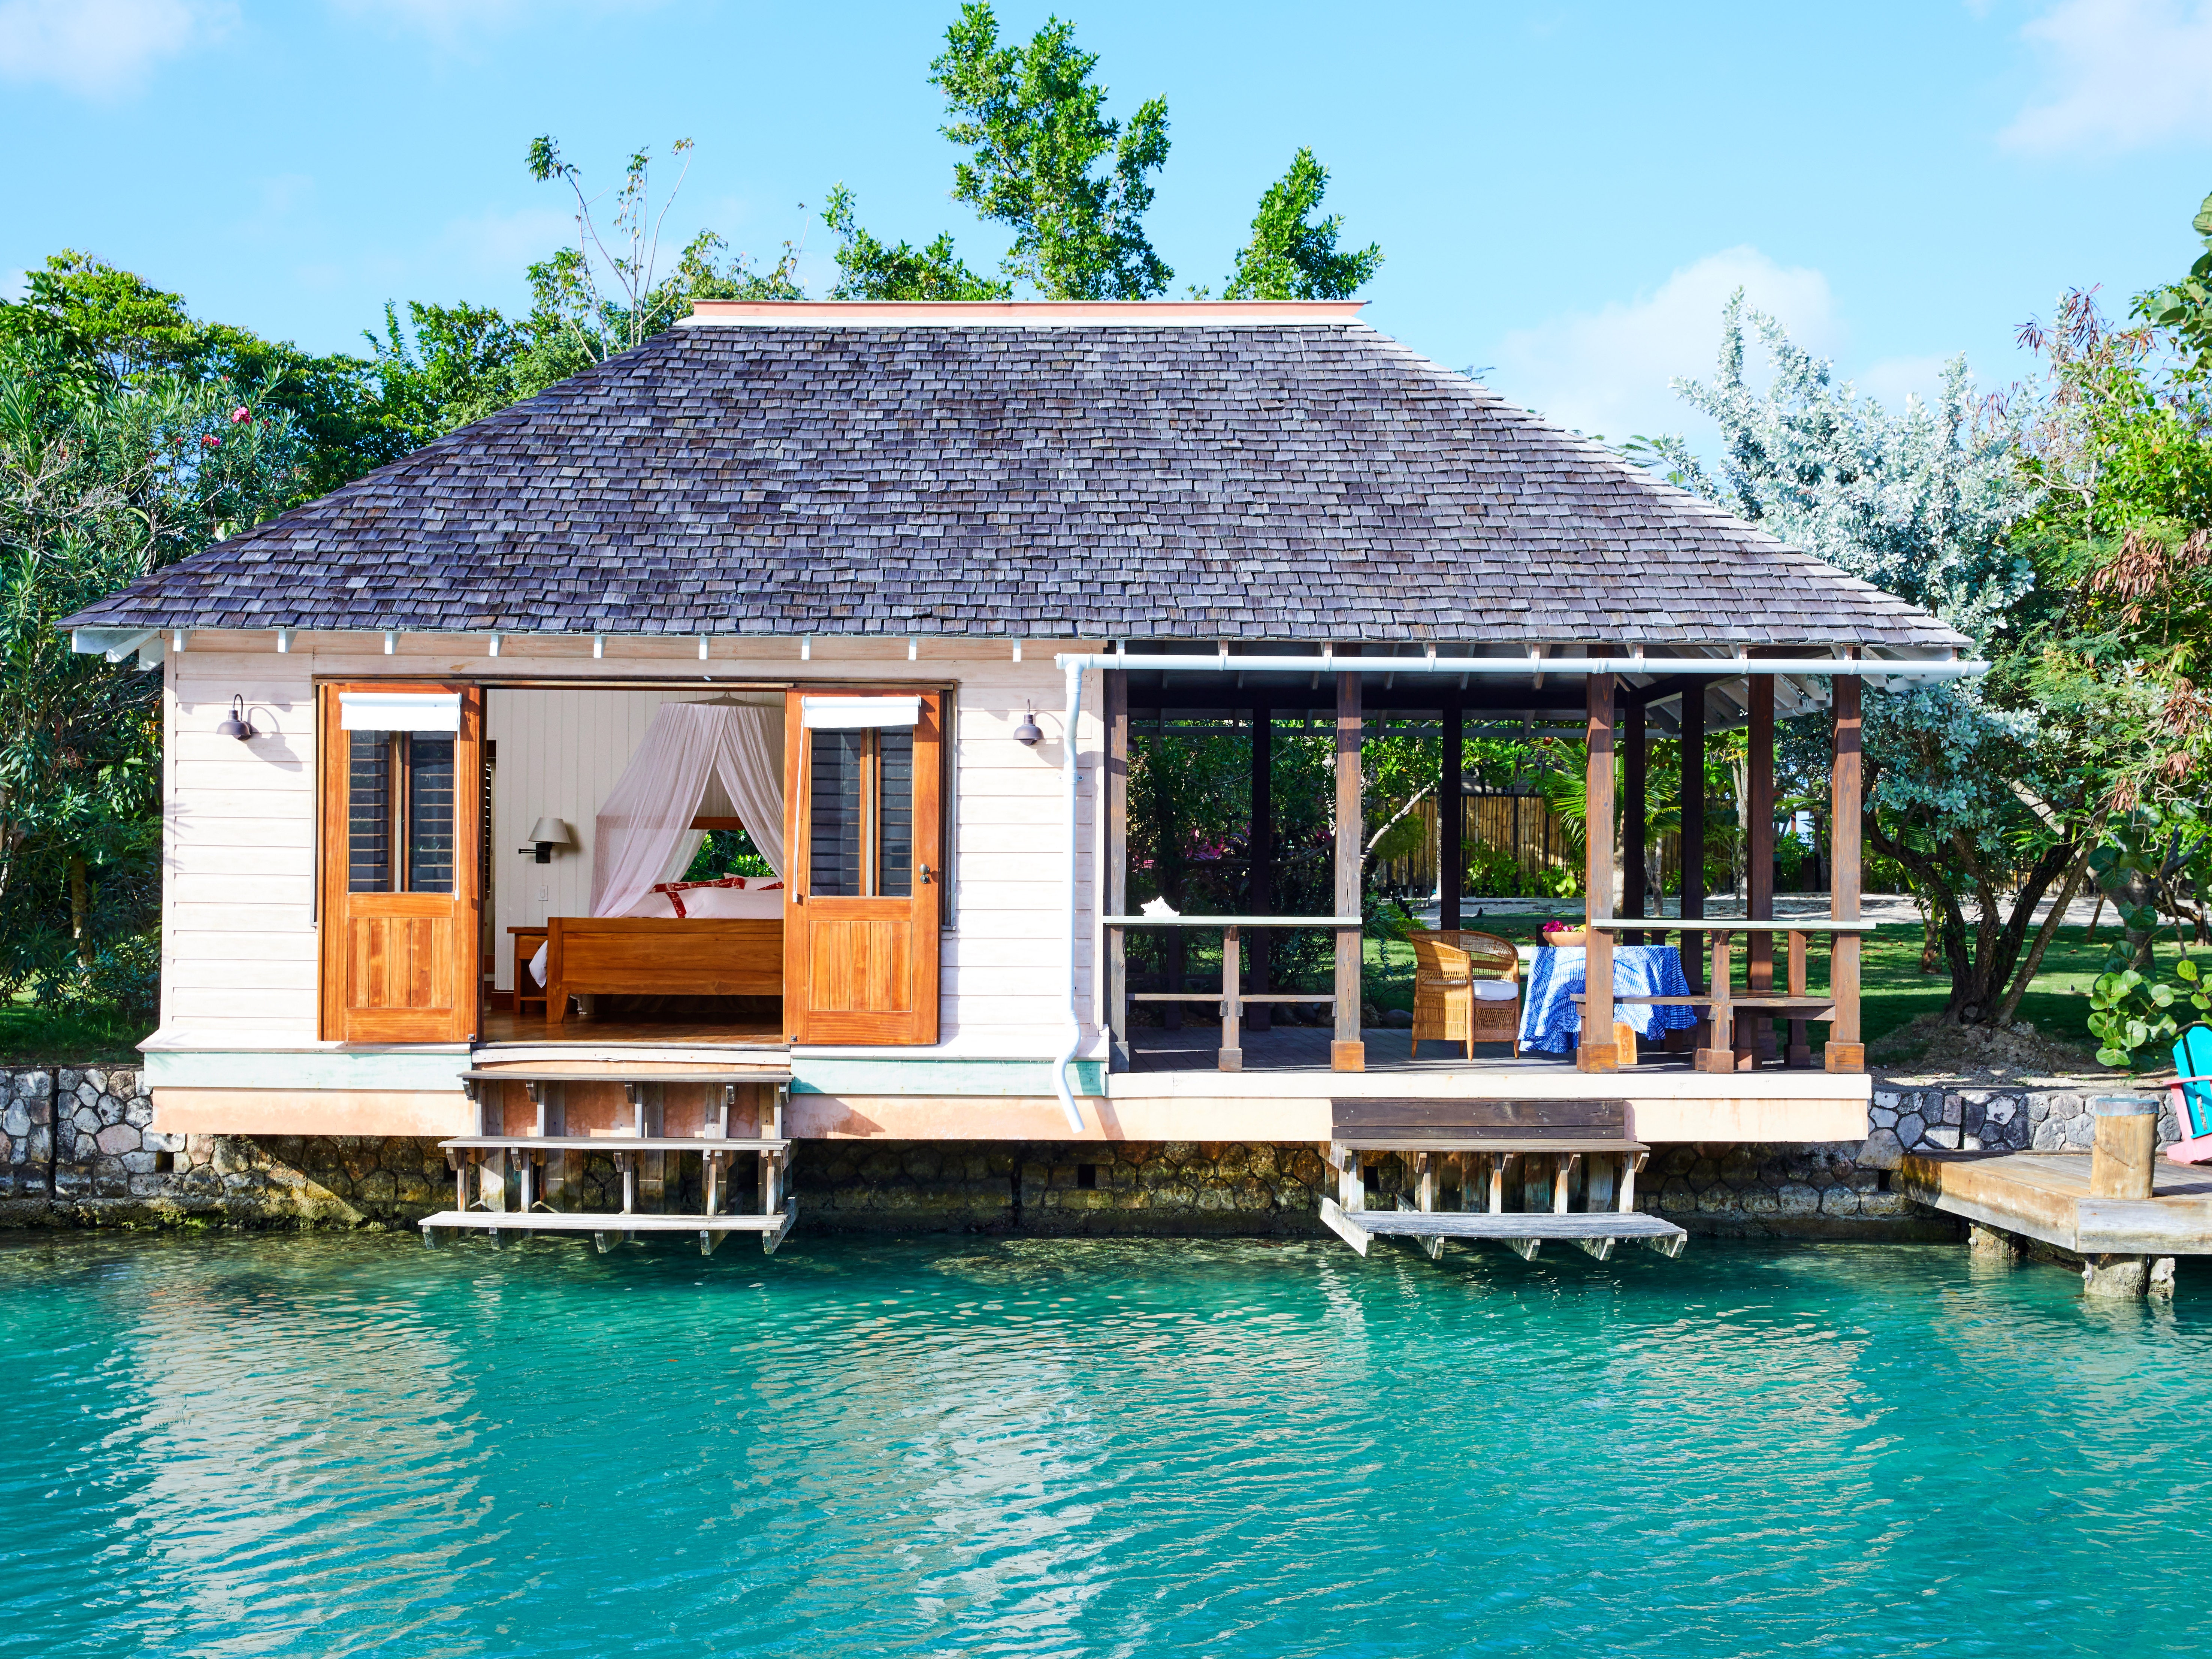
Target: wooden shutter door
[(865, 867), (400, 865)]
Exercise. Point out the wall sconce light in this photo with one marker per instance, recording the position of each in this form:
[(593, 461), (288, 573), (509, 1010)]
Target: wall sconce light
[(549, 834), (234, 724), (1027, 733)]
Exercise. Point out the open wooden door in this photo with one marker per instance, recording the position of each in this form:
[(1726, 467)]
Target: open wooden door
[(865, 867), (400, 860)]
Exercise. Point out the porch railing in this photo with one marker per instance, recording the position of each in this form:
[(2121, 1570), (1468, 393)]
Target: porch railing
[(1232, 996), (1732, 1023)]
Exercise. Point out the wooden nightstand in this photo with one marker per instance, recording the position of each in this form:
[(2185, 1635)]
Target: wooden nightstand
[(527, 989)]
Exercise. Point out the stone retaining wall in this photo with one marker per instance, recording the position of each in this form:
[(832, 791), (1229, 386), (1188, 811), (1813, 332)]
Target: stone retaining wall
[(76, 1149)]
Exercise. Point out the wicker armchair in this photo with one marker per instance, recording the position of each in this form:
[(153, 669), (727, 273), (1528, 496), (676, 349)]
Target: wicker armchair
[(1446, 965)]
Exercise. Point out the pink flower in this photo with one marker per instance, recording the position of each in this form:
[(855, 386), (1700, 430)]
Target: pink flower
[(241, 414), (211, 441)]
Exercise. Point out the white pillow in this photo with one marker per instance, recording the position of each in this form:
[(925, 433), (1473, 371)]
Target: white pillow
[(746, 903), (1496, 990)]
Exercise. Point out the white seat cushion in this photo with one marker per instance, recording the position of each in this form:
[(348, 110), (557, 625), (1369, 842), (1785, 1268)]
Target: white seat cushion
[(1496, 990)]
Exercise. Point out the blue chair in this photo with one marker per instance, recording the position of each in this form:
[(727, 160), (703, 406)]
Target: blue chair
[(2192, 1096)]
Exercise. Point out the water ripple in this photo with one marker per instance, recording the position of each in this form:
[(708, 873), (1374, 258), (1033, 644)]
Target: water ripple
[(271, 1446)]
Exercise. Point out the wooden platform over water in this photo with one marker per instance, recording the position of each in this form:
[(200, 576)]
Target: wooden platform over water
[(2045, 1196)]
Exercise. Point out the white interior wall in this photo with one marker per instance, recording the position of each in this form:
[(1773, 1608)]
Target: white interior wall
[(560, 753)]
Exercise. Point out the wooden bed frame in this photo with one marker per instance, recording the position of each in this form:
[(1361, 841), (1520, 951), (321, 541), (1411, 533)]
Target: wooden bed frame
[(660, 955)]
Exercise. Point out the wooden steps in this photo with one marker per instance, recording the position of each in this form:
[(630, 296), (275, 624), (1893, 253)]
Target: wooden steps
[(642, 1150), (1461, 1123), (602, 1072), (1594, 1231), (606, 1229), (1494, 1147), (611, 1144)]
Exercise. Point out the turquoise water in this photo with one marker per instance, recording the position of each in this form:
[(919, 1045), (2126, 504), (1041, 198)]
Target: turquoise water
[(241, 1445)]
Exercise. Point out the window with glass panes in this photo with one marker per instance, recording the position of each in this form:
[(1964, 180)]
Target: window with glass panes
[(400, 799), (860, 835)]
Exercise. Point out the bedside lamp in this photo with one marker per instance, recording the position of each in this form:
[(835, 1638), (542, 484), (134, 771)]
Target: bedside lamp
[(549, 834)]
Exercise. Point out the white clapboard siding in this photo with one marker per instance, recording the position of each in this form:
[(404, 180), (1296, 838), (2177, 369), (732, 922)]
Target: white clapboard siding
[(290, 1004), (242, 886), (209, 856), (239, 952), (239, 848)]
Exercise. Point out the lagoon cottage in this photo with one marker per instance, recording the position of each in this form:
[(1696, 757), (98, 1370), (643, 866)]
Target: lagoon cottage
[(887, 588)]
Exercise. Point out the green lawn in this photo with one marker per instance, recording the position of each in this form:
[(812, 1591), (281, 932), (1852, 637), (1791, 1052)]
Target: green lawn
[(39, 1037), (1895, 992)]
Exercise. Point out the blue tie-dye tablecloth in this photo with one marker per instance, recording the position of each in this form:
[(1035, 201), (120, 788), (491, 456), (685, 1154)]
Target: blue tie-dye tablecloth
[(1549, 1021)]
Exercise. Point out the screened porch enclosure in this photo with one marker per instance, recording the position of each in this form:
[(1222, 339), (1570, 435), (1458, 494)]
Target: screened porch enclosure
[(1240, 800)]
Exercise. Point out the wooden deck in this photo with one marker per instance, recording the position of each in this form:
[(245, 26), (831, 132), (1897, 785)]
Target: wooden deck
[(2045, 1196), (501, 1026)]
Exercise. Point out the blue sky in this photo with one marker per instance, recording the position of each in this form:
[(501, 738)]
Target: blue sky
[(1565, 192)]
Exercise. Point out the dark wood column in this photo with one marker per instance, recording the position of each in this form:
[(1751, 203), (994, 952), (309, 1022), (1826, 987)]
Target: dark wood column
[(1117, 864), (1755, 1036), (1348, 1052), (1598, 1052), (1846, 1052), (1632, 896), (1692, 784), (1451, 818), (1260, 845)]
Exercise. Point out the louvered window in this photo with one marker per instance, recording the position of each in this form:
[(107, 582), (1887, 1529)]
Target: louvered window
[(400, 812), (861, 829)]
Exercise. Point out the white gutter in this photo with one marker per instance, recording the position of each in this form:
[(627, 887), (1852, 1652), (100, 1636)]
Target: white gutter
[(1904, 668), (1074, 664)]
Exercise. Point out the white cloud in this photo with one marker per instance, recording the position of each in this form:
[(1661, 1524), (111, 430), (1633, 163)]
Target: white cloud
[(1606, 372), (2123, 74), (1894, 379), (99, 47)]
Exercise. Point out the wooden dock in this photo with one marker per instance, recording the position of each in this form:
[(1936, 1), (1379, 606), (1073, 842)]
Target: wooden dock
[(2045, 1196)]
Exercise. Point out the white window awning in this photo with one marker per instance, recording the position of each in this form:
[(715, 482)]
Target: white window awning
[(399, 711), (848, 714)]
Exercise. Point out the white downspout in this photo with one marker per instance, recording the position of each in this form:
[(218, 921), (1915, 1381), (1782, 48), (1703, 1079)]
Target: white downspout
[(1068, 737)]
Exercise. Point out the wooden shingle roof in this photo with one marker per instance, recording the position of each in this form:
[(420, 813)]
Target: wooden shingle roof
[(1214, 480)]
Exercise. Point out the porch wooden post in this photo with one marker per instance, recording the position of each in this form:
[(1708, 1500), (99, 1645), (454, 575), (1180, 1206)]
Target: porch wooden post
[(1598, 1051), (1260, 846), (1451, 819), (1348, 1052), (1117, 865), (1846, 1052), (1693, 797), (1755, 1036), (1633, 902)]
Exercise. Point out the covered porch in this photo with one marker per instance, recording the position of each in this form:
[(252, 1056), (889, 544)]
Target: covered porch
[(1752, 992)]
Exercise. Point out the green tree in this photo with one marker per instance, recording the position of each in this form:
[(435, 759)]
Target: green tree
[(112, 327), (102, 479), (606, 294), (449, 366), (1292, 257), (1044, 158), (868, 268), (2185, 308)]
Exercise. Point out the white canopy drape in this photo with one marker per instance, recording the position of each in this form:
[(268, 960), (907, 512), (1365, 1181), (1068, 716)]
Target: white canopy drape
[(696, 757)]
